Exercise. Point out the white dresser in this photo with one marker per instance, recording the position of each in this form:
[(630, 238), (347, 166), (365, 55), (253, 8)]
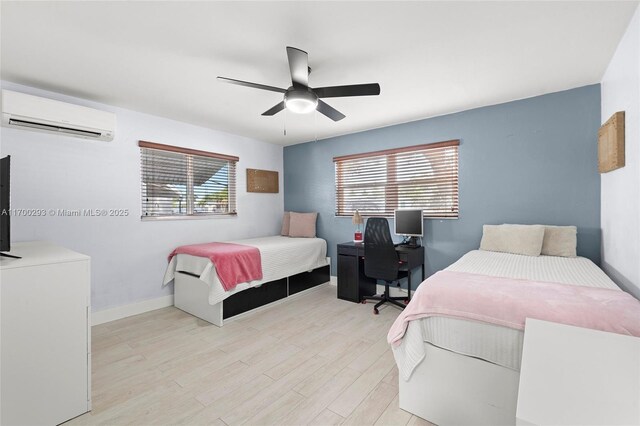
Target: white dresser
[(577, 376), (45, 358)]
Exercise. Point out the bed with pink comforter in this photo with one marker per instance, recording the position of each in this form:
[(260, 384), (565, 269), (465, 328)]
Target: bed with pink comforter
[(234, 266), (508, 302), (479, 305)]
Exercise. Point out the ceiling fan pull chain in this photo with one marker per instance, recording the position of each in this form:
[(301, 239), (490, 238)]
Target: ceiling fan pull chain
[(285, 122)]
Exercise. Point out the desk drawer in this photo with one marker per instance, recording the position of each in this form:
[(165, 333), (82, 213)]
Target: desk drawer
[(348, 250)]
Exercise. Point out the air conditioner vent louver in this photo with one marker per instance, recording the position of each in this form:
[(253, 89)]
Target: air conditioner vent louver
[(29, 112), (48, 127)]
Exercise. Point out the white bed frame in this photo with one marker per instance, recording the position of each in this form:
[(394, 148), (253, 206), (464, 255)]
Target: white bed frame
[(191, 295), (447, 388)]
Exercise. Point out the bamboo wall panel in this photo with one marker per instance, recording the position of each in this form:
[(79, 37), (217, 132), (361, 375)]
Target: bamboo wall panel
[(265, 181), (611, 143)]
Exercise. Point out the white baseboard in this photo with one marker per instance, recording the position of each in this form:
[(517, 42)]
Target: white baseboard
[(119, 312)]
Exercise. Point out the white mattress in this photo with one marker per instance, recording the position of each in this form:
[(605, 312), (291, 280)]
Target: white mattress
[(564, 270), (501, 345), (281, 257)]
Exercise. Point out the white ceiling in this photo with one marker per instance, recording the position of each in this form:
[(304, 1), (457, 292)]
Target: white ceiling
[(430, 58)]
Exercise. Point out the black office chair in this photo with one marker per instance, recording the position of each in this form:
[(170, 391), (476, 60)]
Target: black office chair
[(381, 260)]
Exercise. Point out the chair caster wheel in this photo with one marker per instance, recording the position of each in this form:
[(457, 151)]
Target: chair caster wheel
[(406, 301), (375, 311), (364, 302)]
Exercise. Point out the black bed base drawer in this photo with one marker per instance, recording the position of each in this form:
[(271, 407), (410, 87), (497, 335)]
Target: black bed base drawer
[(306, 280), (255, 297)]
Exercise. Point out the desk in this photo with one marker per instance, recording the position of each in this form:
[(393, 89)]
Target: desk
[(353, 284)]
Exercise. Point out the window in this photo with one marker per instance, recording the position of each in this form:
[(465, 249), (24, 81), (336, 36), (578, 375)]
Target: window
[(377, 183), (180, 182)]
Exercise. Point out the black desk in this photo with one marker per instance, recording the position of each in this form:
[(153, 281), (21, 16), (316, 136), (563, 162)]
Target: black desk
[(353, 284)]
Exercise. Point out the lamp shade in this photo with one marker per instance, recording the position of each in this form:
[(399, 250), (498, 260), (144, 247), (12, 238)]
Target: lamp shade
[(357, 219)]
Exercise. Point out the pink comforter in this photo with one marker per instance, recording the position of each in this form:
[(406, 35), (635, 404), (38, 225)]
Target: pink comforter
[(508, 302), (235, 263)]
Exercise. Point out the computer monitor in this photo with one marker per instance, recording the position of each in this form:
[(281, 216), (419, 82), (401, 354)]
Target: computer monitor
[(408, 223), (5, 207)]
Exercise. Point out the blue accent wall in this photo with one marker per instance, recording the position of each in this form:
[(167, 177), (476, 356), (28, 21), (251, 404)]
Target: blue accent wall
[(529, 161)]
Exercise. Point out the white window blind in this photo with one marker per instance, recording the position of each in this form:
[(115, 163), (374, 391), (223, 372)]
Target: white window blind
[(377, 183), (180, 182)]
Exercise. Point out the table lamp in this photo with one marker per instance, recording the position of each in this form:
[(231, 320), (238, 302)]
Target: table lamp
[(357, 220)]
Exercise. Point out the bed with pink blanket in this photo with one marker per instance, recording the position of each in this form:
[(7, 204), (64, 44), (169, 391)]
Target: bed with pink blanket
[(208, 274), (459, 342)]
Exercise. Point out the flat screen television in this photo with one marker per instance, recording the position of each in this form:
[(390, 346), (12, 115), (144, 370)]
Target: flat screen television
[(5, 204), (409, 223)]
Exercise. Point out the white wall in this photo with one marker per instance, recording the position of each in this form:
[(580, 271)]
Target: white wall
[(620, 202), (128, 256)]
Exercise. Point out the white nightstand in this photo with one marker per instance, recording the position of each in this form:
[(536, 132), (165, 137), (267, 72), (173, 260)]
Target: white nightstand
[(577, 376)]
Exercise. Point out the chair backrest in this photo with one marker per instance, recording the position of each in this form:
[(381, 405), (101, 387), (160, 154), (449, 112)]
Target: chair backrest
[(380, 256)]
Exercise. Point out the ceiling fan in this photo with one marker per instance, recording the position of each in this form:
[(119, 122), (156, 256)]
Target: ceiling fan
[(300, 98)]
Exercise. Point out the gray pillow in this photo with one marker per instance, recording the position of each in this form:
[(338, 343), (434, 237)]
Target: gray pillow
[(516, 239), (560, 241)]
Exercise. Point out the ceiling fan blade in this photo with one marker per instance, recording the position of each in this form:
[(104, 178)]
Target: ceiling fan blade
[(254, 85), (276, 109), (299, 66), (329, 111), (370, 89)]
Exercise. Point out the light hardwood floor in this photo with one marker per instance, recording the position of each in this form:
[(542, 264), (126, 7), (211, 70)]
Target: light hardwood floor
[(313, 359)]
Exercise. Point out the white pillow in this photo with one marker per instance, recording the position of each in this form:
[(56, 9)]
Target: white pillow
[(516, 239), (560, 241)]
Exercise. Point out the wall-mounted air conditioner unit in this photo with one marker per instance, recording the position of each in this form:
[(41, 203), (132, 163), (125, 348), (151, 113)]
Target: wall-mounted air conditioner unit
[(28, 112)]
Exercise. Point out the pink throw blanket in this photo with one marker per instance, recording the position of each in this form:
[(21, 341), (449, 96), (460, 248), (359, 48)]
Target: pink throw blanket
[(235, 263), (508, 302)]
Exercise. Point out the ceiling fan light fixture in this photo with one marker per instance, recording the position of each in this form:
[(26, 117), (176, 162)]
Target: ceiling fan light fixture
[(300, 101)]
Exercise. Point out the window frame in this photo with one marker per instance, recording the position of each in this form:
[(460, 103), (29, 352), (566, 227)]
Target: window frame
[(189, 178), (391, 187)]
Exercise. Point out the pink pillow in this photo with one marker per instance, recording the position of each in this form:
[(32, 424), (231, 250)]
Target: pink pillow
[(302, 224), (286, 219)]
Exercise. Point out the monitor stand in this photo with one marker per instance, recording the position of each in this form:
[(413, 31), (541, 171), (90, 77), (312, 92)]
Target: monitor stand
[(9, 255)]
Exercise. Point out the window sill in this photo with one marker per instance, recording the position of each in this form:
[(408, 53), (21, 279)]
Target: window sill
[(194, 217), (391, 217)]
